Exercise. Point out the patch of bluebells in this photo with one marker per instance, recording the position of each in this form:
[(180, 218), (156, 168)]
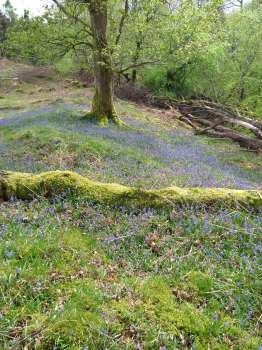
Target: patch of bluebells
[(219, 250), (174, 157), (3, 230), (9, 254), (230, 242)]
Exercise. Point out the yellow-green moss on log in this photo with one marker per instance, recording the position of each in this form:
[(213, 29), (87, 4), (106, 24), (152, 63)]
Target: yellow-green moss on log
[(28, 186)]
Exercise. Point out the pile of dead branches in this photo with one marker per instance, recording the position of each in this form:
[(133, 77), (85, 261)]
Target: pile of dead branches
[(205, 117), (218, 121)]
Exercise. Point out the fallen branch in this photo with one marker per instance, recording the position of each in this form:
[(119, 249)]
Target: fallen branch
[(213, 126), (58, 183), (217, 121), (243, 141)]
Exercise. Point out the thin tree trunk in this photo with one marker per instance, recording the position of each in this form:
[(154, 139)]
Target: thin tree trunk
[(135, 60), (102, 107)]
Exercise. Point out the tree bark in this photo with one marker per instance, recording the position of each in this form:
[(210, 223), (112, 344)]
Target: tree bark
[(103, 106)]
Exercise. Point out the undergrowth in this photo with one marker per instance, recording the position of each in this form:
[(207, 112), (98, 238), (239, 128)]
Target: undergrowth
[(79, 276)]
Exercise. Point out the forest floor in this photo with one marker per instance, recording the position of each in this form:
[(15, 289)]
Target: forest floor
[(78, 276)]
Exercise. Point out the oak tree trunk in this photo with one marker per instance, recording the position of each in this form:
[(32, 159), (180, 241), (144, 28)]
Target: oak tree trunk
[(102, 107)]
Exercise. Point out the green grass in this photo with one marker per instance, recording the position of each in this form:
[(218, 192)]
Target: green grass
[(11, 104), (45, 148), (75, 276)]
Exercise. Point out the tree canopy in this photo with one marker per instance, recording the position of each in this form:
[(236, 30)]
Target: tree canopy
[(174, 48)]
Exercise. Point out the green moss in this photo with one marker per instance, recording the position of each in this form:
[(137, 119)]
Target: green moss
[(156, 289), (200, 282), (102, 119), (28, 186), (103, 113), (80, 316)]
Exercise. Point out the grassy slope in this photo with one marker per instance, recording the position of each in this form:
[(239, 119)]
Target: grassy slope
[(77, 276)]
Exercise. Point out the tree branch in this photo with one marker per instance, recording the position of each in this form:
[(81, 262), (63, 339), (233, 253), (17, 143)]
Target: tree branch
[(70, 15), (122, 22), (137, 66)]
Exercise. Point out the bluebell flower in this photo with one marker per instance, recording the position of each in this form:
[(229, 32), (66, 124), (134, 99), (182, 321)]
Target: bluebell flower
[(18, 270), (9, 254)]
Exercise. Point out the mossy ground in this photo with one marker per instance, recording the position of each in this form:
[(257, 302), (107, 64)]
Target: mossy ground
[(78, 275), (103, 120), (75, 275)]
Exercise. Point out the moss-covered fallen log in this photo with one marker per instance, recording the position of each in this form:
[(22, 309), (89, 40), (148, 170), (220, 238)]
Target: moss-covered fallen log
[(58, 183)]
